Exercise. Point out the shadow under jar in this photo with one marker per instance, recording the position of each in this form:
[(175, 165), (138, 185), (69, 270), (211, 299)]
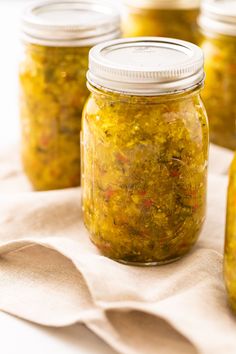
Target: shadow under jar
[(144, 149), (57, 37), (218, 27), (164, 18)]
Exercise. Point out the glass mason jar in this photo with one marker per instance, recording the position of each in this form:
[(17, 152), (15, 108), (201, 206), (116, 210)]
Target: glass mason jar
[(230, 238), (57, 37), (145, 149), (164, 18), (218, 26)]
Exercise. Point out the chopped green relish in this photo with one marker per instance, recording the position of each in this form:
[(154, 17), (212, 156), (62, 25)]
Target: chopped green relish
[(220, 89), (230, 239), (53, 93), (177, 23), (144, 169)]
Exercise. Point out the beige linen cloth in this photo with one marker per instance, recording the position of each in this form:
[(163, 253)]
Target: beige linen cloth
[(52, 275)]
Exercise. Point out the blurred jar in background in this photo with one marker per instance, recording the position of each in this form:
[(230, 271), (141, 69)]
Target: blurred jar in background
[(57, 37), (164, 18), (230, 239), (218, 26)]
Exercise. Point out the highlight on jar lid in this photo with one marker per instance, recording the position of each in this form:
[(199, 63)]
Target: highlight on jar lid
[(70, 22), (218, 16), (146, 66), (163, 4)]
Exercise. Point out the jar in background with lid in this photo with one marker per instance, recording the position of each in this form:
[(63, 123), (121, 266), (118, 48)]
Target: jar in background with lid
[(57, 37), (145, 149), (230, 239), (165, 18), (218, 26)]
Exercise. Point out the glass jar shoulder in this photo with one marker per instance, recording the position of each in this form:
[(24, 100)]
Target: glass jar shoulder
[(220, 64), (220, 50), (177, 23), (220, 88), (147, 118), (38, 57), (53, 77)]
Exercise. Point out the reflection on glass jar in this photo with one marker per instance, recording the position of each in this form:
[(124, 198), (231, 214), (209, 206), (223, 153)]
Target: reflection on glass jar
[(230, 239), (57, 37), (218, 24), (145, 150), (163, 18)]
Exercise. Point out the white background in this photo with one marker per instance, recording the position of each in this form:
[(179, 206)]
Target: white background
[(9, 58)]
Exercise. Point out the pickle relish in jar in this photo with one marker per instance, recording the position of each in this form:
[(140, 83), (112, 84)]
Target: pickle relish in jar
[(230, 238), (57, 36), (165, 18), (145, 149), (218, 26)]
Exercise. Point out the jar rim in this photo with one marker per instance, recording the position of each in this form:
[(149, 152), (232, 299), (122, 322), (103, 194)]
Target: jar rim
[(146, 66), (70, 22), (163, 4), (218, 16)]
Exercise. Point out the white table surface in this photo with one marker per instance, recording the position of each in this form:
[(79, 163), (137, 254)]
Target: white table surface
[(21, 337), (18, 336)]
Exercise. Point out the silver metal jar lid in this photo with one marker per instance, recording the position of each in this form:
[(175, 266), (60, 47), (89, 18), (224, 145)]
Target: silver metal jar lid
[(218, 16), (70, 22), (163, 4), (146, 66)]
